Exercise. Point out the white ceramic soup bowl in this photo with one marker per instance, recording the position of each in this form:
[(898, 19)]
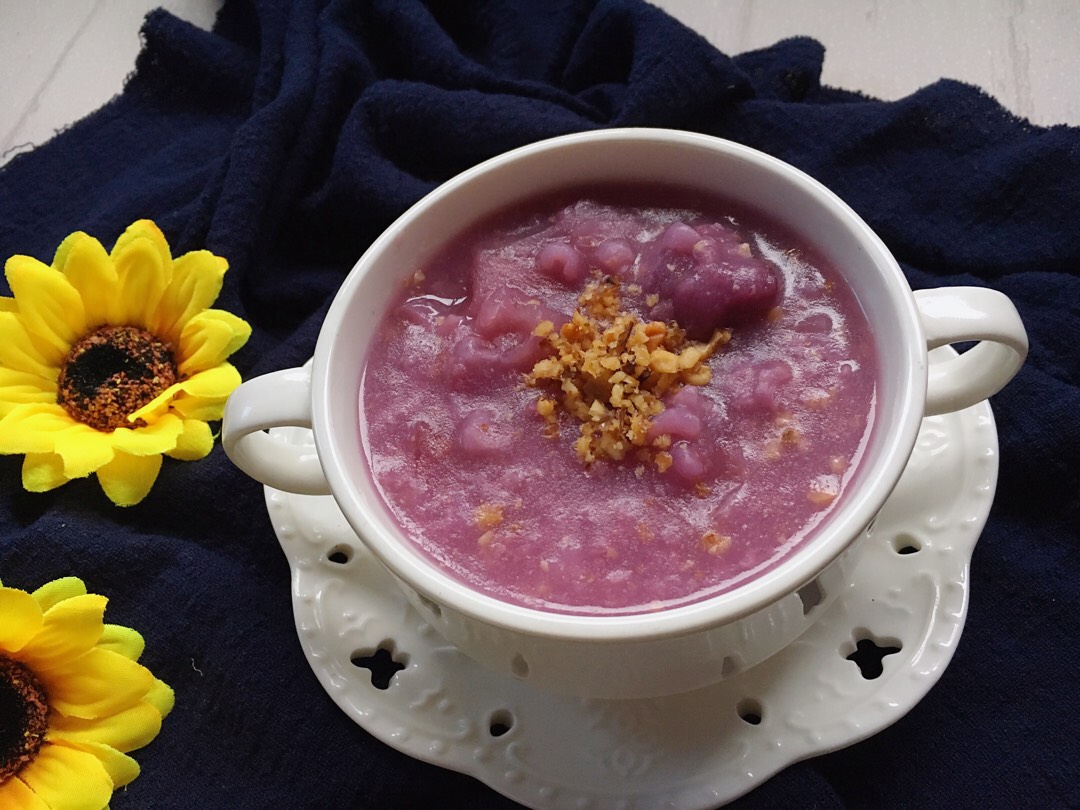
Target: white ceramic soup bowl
[(687, 646)]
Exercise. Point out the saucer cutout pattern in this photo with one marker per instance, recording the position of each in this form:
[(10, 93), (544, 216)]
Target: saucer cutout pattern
[(900, 619)]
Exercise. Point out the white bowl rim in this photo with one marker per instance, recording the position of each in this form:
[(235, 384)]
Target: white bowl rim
[(785, 578)]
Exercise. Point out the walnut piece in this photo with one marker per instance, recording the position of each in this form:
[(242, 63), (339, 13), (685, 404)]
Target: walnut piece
[(609, 370)]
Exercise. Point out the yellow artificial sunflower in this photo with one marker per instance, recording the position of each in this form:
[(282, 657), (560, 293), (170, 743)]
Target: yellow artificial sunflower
[(109, 360), (73, 699)]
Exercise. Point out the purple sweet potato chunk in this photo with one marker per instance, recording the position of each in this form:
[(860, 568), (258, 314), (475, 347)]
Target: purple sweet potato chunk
[(678, 423), (590, 224), (507, 311), (686, 462), (560, 262), (690, 399), (480, 435), (680, 238), (476, 362), (682, 418), (614, 256), (757, 386), (710, 276), (717, 295)]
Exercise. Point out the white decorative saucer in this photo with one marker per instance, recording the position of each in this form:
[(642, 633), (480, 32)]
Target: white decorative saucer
[(695, 750)]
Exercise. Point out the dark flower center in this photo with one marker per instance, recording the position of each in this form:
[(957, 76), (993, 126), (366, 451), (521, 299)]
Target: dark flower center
[(111, 373), (24, 717)]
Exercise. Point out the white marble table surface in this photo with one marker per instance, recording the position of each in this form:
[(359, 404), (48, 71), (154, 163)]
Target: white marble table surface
[(62, 59)]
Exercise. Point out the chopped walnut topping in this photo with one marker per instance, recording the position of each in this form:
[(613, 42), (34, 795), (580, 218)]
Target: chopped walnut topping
[(543, 329), (488, 516), (714, 543), (819, 399), (609, 370)]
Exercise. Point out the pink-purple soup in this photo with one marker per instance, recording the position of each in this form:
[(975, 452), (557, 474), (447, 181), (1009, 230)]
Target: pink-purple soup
[(734, 473)]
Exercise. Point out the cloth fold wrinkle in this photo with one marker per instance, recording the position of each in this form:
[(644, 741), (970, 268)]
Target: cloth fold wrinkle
[(796, 79), (215, 69), (668, 76)]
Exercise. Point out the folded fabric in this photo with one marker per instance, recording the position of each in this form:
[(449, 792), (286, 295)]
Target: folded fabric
[(292, 134)]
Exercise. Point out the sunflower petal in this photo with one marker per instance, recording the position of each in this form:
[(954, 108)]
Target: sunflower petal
[(143, 229), (20, 619), (83, 449), (158, 406), (20, 387), (125, 731), (213, 383), (211, 387), (19, 351), (42, 472), (63, 250), (49, 305), (121, 768), (129, 643), (127, 479), (196, 284), (194, 443), (52, 593), (33, 428), (161, 697), (66, 779), (208, 339), (97, 683), (90, 270), (197, 408), (143, 277), (15, 793), (152, 439), (68, 630)]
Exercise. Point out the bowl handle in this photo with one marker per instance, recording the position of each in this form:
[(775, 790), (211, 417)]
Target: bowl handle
[(278, 399), (955, 314)]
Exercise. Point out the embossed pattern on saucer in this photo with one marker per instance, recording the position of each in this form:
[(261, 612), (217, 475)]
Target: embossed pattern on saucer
[(696, 750)]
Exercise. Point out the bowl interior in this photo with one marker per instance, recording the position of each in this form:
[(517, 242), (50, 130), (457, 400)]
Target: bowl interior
[(796, 202)]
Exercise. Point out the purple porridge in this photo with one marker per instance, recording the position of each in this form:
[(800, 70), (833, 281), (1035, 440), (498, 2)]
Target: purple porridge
[(617, 402)]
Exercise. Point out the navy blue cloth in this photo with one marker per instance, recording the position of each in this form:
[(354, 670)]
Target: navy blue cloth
[(288, 137)]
